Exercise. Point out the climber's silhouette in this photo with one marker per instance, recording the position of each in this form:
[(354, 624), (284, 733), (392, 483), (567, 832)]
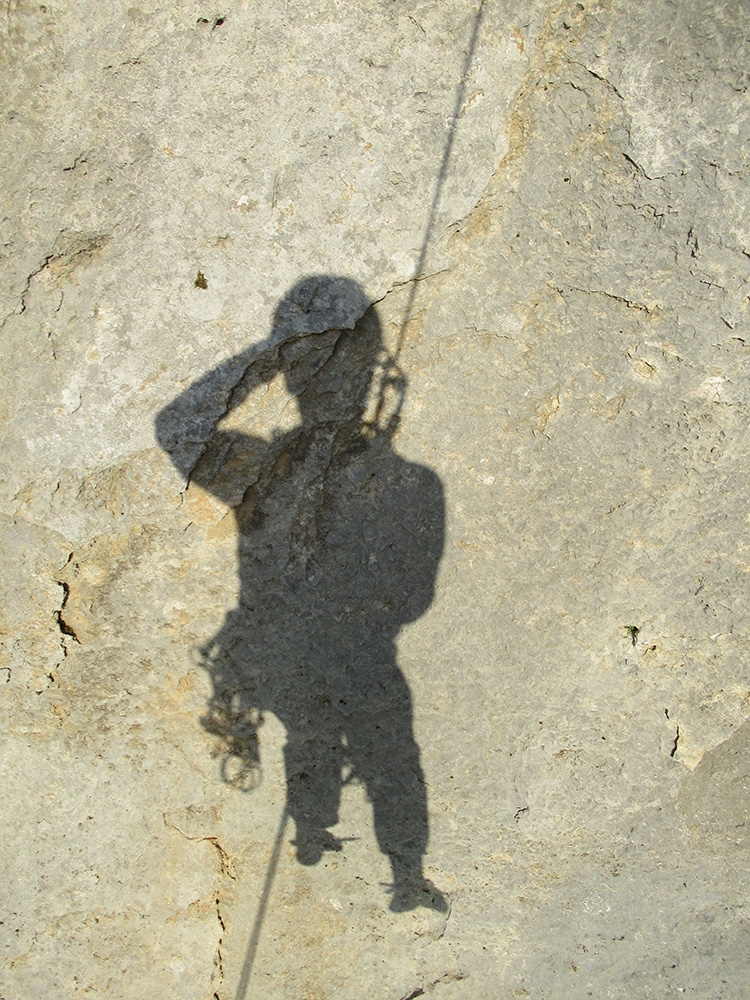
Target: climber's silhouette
[(339, 544)]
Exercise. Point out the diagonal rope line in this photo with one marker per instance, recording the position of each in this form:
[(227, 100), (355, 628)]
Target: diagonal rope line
[(443, 173), (247, 965)]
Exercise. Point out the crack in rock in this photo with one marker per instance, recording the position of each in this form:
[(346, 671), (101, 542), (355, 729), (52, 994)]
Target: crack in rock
[(219, 956), (226, 865), (629, 303), (226, 868), (451, 976), (81, 246), (66, 630)]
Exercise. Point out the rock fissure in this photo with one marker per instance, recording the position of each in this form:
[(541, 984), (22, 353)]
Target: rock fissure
[(452, 976), (80, 246), (79, 161), (226, 865), (27, 286), (66, 630), (219, 958), (604, 80), (629, 303)]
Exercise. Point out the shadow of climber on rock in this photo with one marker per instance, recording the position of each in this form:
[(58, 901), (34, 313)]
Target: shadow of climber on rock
[(339, 544)]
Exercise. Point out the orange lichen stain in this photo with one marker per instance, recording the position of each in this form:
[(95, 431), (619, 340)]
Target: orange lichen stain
[(519, 40), (179, 619), (472, 100), (186, 683), (174, 701), (611, 408), (21, 959), (469, 545), (26, 496), (544, 412), (411, 331), (224, 530), (201, 507), (199, 907), (62, 711), (666, 348), (478, 223)]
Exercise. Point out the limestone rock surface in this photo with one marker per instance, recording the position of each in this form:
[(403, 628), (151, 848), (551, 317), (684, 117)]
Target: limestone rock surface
[(538, 214)]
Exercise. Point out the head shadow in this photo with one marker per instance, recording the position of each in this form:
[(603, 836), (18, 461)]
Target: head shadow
[(327, 343)]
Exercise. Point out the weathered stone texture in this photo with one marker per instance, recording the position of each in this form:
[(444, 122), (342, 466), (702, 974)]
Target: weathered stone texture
[(576, 357)]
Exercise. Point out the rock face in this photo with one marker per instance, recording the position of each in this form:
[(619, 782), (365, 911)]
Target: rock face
[(374, 466)]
